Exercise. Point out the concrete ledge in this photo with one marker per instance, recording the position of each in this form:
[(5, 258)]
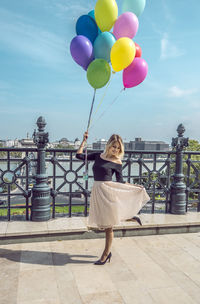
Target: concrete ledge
[(76, 228)]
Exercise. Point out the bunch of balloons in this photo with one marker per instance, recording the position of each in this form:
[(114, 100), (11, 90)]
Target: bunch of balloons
[(95, 46)]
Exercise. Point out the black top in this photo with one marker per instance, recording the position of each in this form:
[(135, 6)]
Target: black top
[(103, 169)]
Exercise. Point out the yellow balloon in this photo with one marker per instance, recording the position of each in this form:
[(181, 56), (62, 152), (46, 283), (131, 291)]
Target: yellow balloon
[(106, 12), (122, 53)]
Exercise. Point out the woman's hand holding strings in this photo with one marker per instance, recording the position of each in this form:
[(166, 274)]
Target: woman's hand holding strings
[(85, 137)]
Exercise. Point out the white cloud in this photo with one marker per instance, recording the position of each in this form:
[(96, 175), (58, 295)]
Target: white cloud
[(177, 92), (169, 49)]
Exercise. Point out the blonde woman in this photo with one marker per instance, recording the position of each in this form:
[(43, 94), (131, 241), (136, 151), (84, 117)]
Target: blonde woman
[(111, 202)]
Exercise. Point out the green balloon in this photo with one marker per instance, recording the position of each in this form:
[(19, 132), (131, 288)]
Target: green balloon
[(134, 6), (98, 73)]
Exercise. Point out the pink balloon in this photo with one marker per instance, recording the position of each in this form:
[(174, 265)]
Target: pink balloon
[(135, 73), (126, 25)]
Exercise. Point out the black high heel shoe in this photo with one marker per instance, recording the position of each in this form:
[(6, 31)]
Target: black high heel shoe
[(99, 262), (136, 218)]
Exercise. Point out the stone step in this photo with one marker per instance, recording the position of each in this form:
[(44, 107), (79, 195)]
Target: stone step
[(76, 228)]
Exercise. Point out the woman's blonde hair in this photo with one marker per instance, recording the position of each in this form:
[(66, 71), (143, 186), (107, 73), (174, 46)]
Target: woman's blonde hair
[(112, 140)]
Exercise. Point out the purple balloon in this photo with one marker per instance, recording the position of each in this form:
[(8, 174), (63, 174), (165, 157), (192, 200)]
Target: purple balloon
[(82, 51), (135, 73)]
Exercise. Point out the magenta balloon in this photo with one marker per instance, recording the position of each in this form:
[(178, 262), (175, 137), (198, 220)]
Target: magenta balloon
[(82, 51), (135, 73), (126, 25)]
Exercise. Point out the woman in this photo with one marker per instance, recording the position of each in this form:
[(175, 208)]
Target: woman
[(111, 202)]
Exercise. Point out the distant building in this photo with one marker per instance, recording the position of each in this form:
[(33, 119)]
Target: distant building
[(2, 142), (53, 144), (99, 145), (26, 142), (77, 143), (145, 145), (135, 145), (9, 143), (64, 142)]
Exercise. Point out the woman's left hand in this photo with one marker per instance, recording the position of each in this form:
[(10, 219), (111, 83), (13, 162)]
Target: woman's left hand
[(139, 186)]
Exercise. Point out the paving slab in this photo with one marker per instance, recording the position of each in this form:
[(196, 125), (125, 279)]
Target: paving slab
[(3, 228)]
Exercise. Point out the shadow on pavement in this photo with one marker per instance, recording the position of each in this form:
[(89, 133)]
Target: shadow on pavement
[(44, 258)]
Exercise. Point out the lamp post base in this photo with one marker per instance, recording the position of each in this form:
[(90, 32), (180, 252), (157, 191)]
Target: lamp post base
[(40, 210), (178, 200)]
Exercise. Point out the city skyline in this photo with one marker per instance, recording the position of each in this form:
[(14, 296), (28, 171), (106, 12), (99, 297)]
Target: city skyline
[(38, 76), (70, 140)]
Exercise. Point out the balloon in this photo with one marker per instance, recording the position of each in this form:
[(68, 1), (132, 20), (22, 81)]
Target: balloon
[(126, 25), (122, 53), (91, 14), (103, 45), (98, 73), (82, 51), (106, 12), (135, 6), (135, 73), (138, 50), (87, 27)]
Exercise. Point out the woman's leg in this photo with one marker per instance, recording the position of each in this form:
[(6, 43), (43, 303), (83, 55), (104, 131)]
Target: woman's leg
[(108, 243)]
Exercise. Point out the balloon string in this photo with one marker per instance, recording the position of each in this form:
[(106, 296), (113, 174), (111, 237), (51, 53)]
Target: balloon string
[(114, 100), (91, 109), (101, 100), (88, 125)]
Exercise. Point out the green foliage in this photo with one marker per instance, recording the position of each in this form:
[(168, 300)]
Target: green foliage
[(61, 210), (66, 147), (5, 186), (16, 154), (194, 145), (13, 154), (2, 153)]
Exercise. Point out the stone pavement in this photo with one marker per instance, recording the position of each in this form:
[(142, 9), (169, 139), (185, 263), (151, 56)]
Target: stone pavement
[(149, 269), (52, 262)]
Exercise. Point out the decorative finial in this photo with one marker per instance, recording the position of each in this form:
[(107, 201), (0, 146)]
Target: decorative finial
[(180, 130), (41, 123)]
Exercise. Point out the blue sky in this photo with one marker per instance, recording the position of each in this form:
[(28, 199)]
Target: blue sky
[(39, 77)]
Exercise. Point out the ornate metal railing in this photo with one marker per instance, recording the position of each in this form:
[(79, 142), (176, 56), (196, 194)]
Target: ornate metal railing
[(191, 165), (16, 176), (41, 183)]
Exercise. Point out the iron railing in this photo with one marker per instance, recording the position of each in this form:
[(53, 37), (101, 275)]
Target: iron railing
[(70, 193)]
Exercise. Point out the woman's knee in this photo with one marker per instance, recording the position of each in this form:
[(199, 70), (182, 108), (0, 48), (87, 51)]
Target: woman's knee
[(109, 230)]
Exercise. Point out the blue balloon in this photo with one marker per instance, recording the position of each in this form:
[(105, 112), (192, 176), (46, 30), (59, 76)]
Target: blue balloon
[(87, 27), (103, 45), (91, 14)]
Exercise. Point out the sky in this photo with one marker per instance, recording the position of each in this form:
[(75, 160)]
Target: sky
[(38, 76)]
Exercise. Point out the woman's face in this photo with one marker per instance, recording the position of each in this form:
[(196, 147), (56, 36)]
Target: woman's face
[(114, 149)]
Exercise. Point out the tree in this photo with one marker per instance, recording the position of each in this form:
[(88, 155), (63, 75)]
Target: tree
[(2, 153), (194, 173)]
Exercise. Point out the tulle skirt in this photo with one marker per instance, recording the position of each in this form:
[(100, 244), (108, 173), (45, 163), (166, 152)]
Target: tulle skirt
[(113, 202)]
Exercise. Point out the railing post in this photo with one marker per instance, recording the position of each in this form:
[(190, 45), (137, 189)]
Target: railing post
[(40, 210), (178, 187)]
